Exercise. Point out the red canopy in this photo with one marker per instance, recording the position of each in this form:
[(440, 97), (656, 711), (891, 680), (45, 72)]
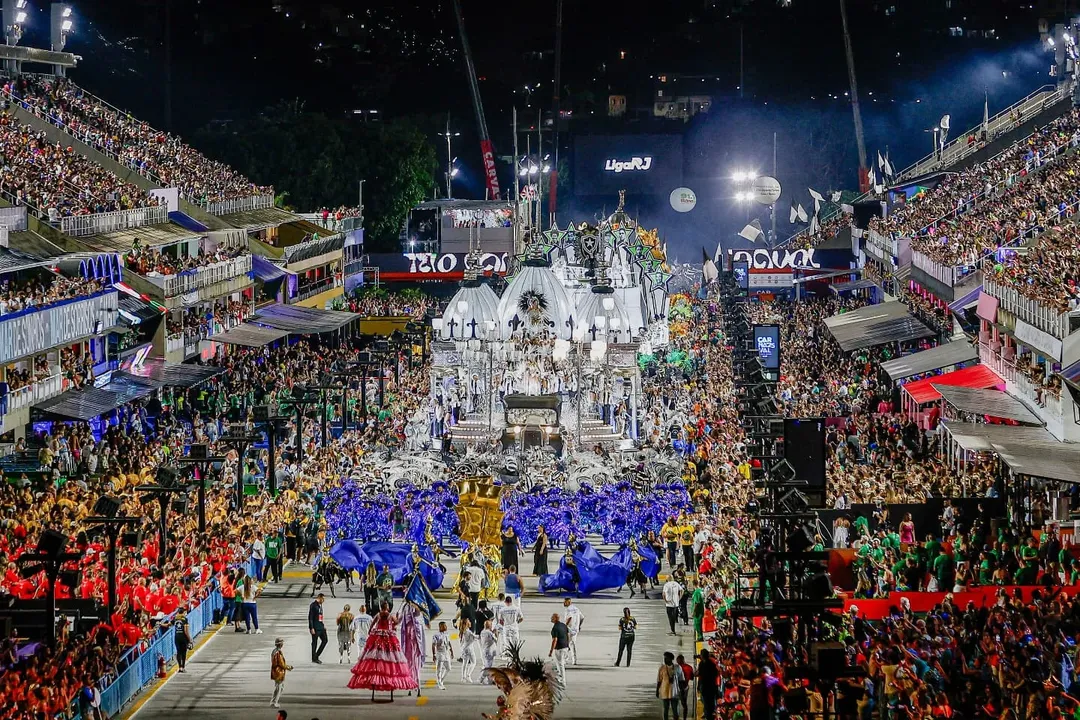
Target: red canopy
[(977, 376)]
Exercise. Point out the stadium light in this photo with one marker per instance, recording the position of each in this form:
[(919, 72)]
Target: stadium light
[(20, 17), (453, 172), (738, 176), (66, 13)]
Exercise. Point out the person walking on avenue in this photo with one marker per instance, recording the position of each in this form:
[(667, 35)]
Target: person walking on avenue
[(670, 534), (573, 618), (684, 686), (489, 646), (442, 654), (627, 629), (345, 635), (361, 625), (370, 581), (708, 680), (667, 685), (672, 592), (275, 553), (560, 646), (278, 668), (183, 641), (317, 628), (697, 610), (249, 593), (258, 558)]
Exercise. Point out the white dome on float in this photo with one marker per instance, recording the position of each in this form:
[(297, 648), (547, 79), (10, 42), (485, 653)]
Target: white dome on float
[(603, 309), (473, 308), (535, 301)]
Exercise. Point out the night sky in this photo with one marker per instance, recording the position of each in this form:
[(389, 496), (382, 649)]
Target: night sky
[(402, 57)]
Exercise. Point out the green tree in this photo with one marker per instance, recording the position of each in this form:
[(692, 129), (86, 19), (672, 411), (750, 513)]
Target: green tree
[(317, 161)]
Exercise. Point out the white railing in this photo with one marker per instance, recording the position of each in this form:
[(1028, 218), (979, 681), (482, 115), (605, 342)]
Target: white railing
[(1002, 122), (98, 223), (245, 204), (205, 276), (174, 343), (188, 340), (36, 392), (884, 243), (292, 250), (1049, 400), (1030, 311)]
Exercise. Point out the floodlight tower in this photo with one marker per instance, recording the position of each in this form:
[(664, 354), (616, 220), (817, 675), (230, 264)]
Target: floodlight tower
[(61, 25), (15, 16)]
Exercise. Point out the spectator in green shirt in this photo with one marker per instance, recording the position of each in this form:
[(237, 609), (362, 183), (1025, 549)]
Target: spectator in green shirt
[(943, 571), (275, 544)]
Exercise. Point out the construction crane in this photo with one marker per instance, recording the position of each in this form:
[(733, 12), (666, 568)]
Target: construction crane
[(487, 150)]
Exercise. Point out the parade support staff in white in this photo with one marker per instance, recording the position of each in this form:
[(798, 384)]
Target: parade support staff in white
[(442, 654), (672, 593), (573, 619), (509, 617)]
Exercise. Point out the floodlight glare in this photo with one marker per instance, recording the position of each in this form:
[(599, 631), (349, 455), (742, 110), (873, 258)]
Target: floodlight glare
[(738, 176), (524, 172), (454, 172), (66, 26), (20, 4), (66, 13), (547, 168), (20, 18)]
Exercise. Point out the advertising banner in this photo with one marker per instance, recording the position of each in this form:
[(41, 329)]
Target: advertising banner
[(487, 150), (767, 342), (435, 266), (640, 164)]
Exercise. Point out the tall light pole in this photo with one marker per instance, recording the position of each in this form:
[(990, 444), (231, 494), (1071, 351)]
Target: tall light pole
[(451, 171)]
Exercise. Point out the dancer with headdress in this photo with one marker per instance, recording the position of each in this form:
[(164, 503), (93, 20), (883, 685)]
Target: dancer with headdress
[(382, 666), (417, 612)]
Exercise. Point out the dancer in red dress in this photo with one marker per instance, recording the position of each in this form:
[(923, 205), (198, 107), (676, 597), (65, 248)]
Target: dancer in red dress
[(382, 665)]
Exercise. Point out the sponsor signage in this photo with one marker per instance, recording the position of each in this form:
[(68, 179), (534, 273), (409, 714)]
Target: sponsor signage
[(487, 151), (741, 270), (682, 199), (436, 266), (776, 259), (36, 331), (766, 190), (630, 164), (767, 342)]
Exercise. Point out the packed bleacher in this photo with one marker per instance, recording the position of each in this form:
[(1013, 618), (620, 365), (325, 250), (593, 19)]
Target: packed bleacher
[(202, 322), (969, 214), (1049, 272), (149, 151), (332, 219), (55, 180), (19, 295), (393, 304)]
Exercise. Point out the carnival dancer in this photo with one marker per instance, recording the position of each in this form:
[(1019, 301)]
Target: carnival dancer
[(509, 618), (442, 653), (470, 642), (417, 612), (345, 635), (382, 665), (637, 575), (489, 646)]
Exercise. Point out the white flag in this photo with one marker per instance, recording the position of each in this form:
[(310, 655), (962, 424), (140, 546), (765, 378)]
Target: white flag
[(793, 215), (835, 197), (944, 124), (816, 195), (718, 254), (888, 167), (986, 115), (849, 209), (709, 273), (801, 214), (752, 231), (880, 161), (872, 178), (814, 226), (817, 206)]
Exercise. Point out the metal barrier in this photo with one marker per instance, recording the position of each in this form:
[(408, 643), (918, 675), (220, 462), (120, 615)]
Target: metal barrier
[(13, 218), (98, 223), (143, 666), (246, 204), (1042, 397), (206, 276), (1030, 311), (36, 392), (1002, 122)]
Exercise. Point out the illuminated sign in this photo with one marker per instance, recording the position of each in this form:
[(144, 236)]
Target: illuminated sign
[(776, 259), (436, 266), (767, 342), (741, 270), (634, 163)]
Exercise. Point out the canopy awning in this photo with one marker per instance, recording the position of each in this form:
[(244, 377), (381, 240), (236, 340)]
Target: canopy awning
[(1026, 450), (861, 284), (301, 320), (92, 402), (174, 374), (976, 376), (952, 353), (265, 270), (250, 335), (876, 325), (987, 402), (136, 310)]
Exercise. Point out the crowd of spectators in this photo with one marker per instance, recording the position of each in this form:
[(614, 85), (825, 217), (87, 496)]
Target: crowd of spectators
[(152, 152), (392, 304), (332, 219), (35, 369), (55, 181), (152, 262), (972, 213), (1049, 272), (201, 322), (17, 295)]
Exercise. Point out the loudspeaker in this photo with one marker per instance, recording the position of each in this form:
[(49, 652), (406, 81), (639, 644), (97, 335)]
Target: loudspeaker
[(783, 630), (804, 448), (827, 656), (260, 413), (180, 505), (52, 542), (131, 539), (198, 451), (818, 585), (107, 506), (166, 476), (800, 539)]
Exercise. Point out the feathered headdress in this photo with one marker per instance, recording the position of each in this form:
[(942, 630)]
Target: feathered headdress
[(529, 688)]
